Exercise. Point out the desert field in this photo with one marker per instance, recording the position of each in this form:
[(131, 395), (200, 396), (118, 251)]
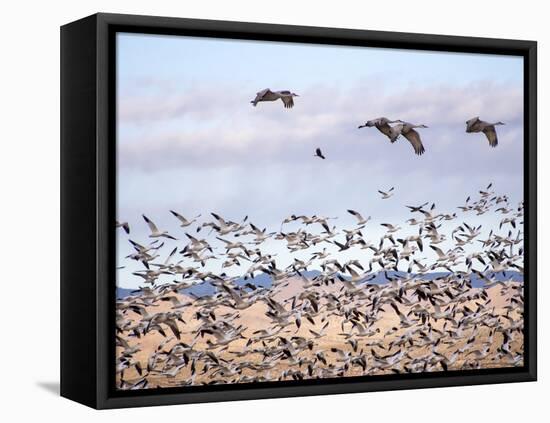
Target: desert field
[(303, 329)]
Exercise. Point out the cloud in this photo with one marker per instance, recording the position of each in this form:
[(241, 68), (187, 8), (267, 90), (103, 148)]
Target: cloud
[(212, 127), (164, 103)]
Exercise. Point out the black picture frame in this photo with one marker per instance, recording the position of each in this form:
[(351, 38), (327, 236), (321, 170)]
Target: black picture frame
[(88, 208)]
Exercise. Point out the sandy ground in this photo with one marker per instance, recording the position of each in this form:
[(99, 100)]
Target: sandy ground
[(254, 318)]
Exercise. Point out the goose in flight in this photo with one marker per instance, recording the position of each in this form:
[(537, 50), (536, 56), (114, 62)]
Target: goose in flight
[(477, 125), (391, 228), (417, 208), (441, 321), (318, 153), (123, 225), (184, 222), (268, 95), (408, 131), (360, 219), (386, 195), (155, 233), (382, 124)]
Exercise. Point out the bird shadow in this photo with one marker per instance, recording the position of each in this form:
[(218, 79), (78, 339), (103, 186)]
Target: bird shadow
[(51, 387)]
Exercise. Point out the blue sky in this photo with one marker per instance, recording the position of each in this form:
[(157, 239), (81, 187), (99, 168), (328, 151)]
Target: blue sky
[(188, 60), (188, 138)]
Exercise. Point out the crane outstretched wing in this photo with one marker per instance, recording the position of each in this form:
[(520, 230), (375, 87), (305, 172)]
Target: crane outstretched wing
[(491, 135), (414, 138)]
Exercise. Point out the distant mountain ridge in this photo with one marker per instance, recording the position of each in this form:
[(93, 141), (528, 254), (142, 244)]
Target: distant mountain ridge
[(264, 281)]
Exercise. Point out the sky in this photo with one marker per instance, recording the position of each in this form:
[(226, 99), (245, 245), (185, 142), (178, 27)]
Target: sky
[(188, 138)]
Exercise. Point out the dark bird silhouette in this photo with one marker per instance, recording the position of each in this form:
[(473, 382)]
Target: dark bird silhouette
[(319, 153)]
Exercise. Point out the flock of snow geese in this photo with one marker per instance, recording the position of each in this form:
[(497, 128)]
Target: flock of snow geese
[(401, 128), (439, 294)]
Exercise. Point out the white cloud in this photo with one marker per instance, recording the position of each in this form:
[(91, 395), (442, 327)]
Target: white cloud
[(209, 128)]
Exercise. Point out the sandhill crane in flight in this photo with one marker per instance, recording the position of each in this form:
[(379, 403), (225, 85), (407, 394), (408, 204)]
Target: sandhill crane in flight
[(268, 95), (318, 153), (408, 131), (382, 124), (477, 125)]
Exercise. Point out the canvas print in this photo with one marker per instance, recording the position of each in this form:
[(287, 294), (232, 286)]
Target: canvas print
[(288, 212)]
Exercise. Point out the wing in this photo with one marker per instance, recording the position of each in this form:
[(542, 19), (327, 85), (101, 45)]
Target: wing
[(359, 326), (385, 128), (122, 342), (288, 102), (414, 138), (152, 226), (277, 306), (179, 216), (137, 247), (470, 124), (170, 256), (191, 237), (236, 297), (352, 272), (174, 327), (427, 214), (356, 214), (491, 135), (260, 95), (438, 250), (218, 218)]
